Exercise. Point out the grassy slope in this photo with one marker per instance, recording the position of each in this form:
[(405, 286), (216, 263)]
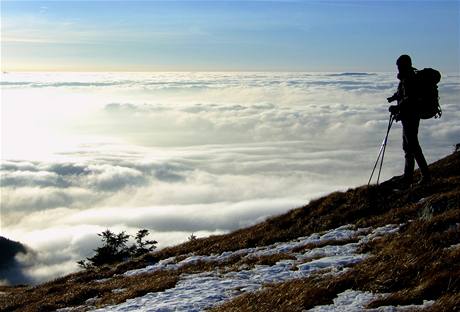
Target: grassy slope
[(412, 265)]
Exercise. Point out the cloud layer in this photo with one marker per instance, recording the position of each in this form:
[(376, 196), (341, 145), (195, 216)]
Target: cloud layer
[(187, 153)]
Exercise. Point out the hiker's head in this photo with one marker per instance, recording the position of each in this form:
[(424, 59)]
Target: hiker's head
[(404, 63)]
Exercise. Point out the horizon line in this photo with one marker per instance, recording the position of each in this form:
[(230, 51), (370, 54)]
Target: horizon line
[(192, 71)]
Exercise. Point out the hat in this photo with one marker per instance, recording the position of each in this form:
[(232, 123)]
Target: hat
[(404, 61)]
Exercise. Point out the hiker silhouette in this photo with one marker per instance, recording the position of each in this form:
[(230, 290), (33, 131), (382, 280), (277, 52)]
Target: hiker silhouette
[(406, 111)]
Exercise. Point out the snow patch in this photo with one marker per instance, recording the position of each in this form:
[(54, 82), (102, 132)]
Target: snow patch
[(196, 292), (453, 247), (118, 290), (356, 301), (102, 280), (338, 234)]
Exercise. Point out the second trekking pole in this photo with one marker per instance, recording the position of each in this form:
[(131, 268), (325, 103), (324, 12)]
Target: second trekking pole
[(382, 152)]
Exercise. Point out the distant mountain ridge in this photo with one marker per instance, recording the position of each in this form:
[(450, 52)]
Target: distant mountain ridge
[(10, 271), (9, 249)]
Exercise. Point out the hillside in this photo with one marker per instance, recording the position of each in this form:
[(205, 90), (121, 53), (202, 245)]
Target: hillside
[(9, 249), (9, 268), (365, 248)]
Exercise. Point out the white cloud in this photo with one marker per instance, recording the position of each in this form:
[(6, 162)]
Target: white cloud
[(181, 153)]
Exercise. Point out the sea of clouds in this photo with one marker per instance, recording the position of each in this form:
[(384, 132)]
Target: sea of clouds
[(183, 153)]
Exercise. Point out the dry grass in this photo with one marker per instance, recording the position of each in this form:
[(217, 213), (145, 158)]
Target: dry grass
[(136, 286), (65, 293), (448, 303), (406, 265), (413, 265), (416, 265)]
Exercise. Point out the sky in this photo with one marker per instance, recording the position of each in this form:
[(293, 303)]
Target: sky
[(227, 35)]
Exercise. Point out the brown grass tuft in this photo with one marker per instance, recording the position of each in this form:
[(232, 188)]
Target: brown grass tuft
[(67, 293)]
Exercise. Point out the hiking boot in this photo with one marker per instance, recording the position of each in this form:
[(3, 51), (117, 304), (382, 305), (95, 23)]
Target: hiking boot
[(400, 183), (404, 184)]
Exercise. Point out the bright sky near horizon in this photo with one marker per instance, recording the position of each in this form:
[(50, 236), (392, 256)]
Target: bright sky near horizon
[(227, 35)]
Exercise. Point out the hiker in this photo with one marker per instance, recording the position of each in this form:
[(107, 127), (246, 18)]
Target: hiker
[(406, 111)]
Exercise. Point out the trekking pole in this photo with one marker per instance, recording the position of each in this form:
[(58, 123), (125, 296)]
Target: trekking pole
[(392, 118), (381, 152)]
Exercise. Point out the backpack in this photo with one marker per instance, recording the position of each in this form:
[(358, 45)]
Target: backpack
[(427, 94)]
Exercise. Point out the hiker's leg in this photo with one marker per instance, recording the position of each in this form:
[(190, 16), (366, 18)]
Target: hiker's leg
[(409, 164), (412, 147), (421, 162), (418, 154)]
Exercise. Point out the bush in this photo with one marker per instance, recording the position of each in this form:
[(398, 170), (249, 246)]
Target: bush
[(115, 248)]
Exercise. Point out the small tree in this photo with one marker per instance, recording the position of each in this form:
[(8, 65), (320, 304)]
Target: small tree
[(143, 247), (192, 238), (115, 249)]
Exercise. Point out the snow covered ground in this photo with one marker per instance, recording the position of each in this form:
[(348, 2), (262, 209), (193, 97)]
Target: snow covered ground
[(354, 301), (196, 292)]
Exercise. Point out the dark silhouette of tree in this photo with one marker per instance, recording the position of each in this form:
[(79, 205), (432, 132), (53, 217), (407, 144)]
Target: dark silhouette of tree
[(143, 247), (192, 238), (115, 248)]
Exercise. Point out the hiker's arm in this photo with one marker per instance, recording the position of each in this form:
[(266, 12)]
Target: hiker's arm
[(397, 96), (393, 98)]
